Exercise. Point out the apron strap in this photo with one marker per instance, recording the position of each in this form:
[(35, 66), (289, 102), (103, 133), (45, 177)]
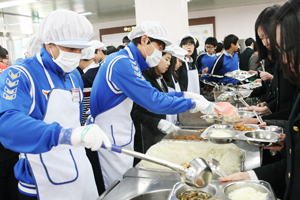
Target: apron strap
[(38, 56)]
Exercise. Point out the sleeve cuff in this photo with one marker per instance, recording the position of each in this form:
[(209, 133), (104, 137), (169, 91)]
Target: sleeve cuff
[(252, 175), (179, 94)]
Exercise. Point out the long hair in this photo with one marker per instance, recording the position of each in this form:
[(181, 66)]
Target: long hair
[(171, 71), (288, 18), (264, 20)]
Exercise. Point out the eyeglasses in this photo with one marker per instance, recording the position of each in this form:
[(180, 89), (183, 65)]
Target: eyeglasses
[(209, 47), (188, 45)]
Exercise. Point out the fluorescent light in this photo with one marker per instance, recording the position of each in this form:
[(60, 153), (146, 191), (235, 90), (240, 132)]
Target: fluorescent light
[(85, 13), (6, 4)]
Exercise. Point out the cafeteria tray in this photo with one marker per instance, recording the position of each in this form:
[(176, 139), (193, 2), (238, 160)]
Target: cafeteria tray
[(239, 75), (219, 190), (182, 132), (251, 86), (215, 177)]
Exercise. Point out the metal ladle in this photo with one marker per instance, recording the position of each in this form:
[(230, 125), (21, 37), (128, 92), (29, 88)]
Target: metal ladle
[(198, 175)]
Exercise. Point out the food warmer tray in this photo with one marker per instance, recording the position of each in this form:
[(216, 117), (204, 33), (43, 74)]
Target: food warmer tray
[(219, 190), (239, 75)]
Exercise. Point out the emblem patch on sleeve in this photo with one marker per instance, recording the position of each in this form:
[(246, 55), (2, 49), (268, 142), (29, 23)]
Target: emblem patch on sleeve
[(9, 97), (12, 75), (11, 83), (8, 91)]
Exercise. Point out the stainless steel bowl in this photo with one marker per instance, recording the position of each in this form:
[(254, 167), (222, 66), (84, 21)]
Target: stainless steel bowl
[(238, 185), (261, 138), (275, 129), (222, 140), (183, 188), (210, 118), (246, 114)]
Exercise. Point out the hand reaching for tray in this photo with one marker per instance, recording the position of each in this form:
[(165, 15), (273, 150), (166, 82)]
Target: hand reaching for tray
[(236, 177)]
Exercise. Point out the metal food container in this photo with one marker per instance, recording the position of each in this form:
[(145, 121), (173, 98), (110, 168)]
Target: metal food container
[(182, 132), (181, 187), (275, 129), (220, 190), (192, 120), (260, 138), (222, 140), (242, 184), (246, 114)]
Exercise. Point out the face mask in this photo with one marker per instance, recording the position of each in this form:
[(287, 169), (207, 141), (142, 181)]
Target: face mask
[(155, 57), (67, 61)]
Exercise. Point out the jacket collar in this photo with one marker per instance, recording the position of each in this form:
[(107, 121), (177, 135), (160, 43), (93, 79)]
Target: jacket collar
[(138, 56), (49, 63), (228, 55)]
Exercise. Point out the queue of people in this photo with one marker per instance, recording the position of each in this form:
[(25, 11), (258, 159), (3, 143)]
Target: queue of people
[(61, 121)]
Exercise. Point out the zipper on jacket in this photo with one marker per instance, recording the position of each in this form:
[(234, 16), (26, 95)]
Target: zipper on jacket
[(64, 75)]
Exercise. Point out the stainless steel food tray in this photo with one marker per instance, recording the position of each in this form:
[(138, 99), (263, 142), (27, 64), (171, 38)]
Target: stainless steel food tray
[(215, 177), (219, 189), (251, 86), (239, 75)]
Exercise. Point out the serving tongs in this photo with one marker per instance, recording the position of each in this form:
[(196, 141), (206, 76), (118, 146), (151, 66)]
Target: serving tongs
[(198, 174), (241, 99)]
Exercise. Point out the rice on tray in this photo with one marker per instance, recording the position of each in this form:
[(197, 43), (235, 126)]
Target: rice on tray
[(179, 152), (247, 193)]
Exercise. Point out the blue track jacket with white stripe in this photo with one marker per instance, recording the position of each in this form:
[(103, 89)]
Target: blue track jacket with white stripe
[(120, 77), (24, 132)]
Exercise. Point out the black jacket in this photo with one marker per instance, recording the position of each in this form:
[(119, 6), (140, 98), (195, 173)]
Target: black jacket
[(284, 92), (149, 121), (244, 59), (285, 173)]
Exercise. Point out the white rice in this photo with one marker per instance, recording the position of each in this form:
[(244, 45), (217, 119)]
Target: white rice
[(179, 152), (247, 193), (219, 133)]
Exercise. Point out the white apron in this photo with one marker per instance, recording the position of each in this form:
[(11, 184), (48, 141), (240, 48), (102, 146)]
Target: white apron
[(173, 118), (118, 126), (193, 79), (64, 172)]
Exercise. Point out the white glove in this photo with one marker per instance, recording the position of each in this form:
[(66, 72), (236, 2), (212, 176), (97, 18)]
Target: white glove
[(90, 136), (166, 126), (193, 95), (205, 107)]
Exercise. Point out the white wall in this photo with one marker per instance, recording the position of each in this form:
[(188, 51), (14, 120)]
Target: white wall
[(236, 20)]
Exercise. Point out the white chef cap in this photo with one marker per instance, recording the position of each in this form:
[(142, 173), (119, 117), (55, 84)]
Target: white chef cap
[(33, 45), (186, 36), (97, 44), (66, 28), (152, 29), (88, 53), (176, 51)]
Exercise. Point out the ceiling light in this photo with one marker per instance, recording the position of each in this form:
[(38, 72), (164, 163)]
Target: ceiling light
[(6, 4), (85, 13)]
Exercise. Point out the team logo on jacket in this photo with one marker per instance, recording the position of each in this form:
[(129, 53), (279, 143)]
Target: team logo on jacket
[(8, 91), (12, 83), (46, 93), (12, 75), (9, 97)]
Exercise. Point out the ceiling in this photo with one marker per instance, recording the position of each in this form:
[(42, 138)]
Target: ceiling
[(18, 19)]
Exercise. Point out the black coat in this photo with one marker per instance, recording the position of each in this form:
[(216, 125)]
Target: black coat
[(285, 173), (284, 91), (150, 134), (244, 59)]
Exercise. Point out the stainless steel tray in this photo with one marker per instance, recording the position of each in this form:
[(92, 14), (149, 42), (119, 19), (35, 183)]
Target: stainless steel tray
[(251, 86), (215, 177), (239, 75), (182, 132), (192, 119), (219, 190)]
